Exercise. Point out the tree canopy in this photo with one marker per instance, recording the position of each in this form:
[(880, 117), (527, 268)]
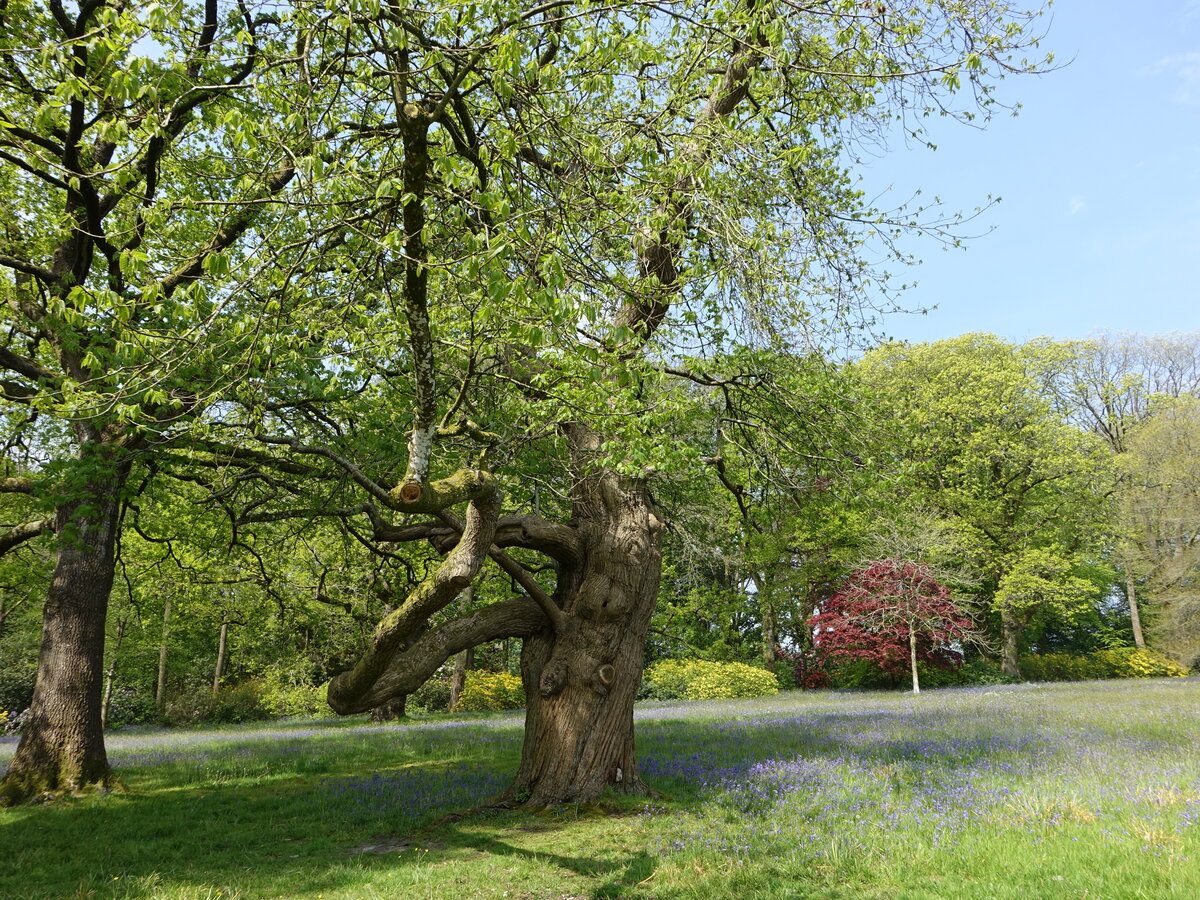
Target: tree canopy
[(458, 275)]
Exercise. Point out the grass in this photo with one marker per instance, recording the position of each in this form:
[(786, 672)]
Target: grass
[(1032, 791)]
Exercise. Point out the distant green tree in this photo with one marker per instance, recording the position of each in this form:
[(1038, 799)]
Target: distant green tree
[(1160, 505), (1024, 493)]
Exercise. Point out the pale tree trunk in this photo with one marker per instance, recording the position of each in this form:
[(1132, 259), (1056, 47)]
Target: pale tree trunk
[(62, 744), (111, 675), (912, 658), (222, 643), (1135, 619), (581, 682), (1010, 638), (160, 684)]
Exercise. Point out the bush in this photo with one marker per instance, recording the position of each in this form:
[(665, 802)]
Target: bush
[(1128, 662), (1062, 667), (284, 697), (16, 682), (980, 671), (128, 706), (859, 674), (698, 679), (1123, 662), (491, 690), (667, 679), (800, 668), (243, 703), (434, 695)]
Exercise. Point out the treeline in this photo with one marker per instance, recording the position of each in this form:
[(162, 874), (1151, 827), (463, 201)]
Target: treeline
[(317, 316), (1053, 486)]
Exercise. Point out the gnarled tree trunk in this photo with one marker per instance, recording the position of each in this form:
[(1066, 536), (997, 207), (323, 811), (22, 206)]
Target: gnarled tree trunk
[(581, 682), (62, 745)]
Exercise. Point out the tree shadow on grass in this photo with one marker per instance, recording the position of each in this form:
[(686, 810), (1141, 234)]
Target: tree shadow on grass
[(620, 872), (281, 839), (266, 825)]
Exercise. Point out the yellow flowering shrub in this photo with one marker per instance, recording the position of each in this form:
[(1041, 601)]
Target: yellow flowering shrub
[(1129, 663), (697, 679), (1122, 662), (490, 690)]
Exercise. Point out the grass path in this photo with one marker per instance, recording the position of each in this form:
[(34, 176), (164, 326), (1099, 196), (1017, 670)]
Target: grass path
[(1032, 791)]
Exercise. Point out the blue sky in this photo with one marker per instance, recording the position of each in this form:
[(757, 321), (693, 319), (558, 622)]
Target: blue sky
[(1098, 227)]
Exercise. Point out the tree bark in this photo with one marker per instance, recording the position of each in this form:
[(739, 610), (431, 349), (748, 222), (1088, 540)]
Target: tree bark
[(912, 657), (766, 606), (580, 683), (1010, 638), (458, 679), (110, 674), (62, 745), (160, 684), (391, 710), (222, 644), (1135, 619)]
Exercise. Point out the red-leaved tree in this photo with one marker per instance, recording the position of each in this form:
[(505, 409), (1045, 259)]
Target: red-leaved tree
[(895, 614)]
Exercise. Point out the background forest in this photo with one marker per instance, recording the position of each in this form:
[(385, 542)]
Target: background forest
[(348, 351), (1053, 487)]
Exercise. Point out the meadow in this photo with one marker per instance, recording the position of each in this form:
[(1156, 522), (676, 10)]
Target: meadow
[(1024, 791)]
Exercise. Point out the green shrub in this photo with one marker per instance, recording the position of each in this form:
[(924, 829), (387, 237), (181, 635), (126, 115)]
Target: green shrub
[(667, 679), (698, 679), (433, 695), (241, 703), (289, 698), (128, 706), (859, 674), (491, 690), (1063, 667), (1123, 662), (1129, 662), (980, 671)]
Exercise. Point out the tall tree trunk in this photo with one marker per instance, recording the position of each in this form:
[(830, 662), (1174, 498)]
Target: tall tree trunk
[(1135, 619), (912, 657), (766, 607), (222, 643), (111, 674), (1010, 640), (160, 684), (581, 682), (62, 744), (458, 679)]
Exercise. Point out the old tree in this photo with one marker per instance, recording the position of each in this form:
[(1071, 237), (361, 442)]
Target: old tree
[(128, 191), (508, 231)]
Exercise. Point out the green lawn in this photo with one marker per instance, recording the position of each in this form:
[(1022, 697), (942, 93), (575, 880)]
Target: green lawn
[(1088, 790)]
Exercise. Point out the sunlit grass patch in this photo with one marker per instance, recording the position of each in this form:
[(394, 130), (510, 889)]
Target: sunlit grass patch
[(1018, 792)]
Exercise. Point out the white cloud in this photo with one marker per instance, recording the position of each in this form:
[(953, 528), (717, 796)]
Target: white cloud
[(1185, 69), (1076, 205)]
